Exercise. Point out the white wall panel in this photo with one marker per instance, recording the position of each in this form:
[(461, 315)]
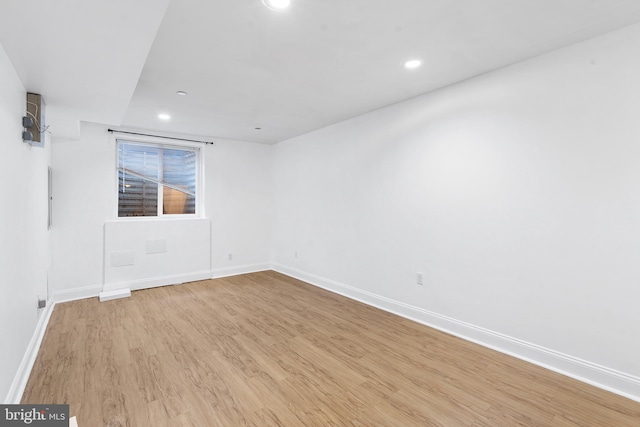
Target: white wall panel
[(24, 239), (516, 194), (180, 250)]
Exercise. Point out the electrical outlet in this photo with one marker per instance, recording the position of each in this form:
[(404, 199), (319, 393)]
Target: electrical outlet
[(42, 303), (230, 256), (419, 279)]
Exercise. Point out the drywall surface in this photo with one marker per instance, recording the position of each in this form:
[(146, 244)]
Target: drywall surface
[(516, 195), (236, 189), (84, 190), (238, 200), (145, 253), (24, 239)]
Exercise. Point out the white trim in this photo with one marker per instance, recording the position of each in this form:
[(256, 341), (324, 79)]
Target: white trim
[(76, 293), (166, 217), (115, 294), (240, 269), (154, 282), (591, 373), (24, 370), (133, 285)]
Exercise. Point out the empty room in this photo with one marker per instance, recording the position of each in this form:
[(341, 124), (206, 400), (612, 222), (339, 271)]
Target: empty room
[(320, 212)]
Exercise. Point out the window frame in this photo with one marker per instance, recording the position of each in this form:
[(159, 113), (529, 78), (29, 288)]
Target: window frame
[(159, 143)]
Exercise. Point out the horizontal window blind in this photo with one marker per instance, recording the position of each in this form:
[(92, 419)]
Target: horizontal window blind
[(156, 180)]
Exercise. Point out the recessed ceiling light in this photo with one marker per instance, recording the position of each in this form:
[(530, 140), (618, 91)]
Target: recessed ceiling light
[(257, 128), (181, 93), (277, 4), (413, 63), (164, 116)]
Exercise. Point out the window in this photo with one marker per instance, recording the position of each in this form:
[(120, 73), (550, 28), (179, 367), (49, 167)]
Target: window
[(156, 180)]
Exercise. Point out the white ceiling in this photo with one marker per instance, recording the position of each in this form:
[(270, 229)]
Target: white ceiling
[(288, 72), (84, 57)]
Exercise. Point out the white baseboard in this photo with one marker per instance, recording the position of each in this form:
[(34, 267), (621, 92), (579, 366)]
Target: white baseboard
[(95, 290), (24, 370), (115, 294), (154, 282), (76, 293), (600, 376), (241, 269)]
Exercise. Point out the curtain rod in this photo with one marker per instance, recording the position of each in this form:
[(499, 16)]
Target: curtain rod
[(160, 136)]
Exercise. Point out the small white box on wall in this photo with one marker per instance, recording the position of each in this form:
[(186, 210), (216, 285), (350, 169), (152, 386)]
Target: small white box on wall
[(123, 259), (156, 246)]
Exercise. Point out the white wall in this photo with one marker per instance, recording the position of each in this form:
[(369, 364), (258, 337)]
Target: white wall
[(84, 193), (516, 193), (24, 240), (236, 184), (238, 187), (145, 253)]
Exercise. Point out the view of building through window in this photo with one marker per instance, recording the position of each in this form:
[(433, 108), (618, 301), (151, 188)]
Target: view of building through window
[(156, 180)]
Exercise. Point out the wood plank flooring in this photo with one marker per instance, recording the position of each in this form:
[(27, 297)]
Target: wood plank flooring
[(267, 350)]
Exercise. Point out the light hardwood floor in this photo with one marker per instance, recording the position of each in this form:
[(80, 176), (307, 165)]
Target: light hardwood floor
[(267, 350)]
